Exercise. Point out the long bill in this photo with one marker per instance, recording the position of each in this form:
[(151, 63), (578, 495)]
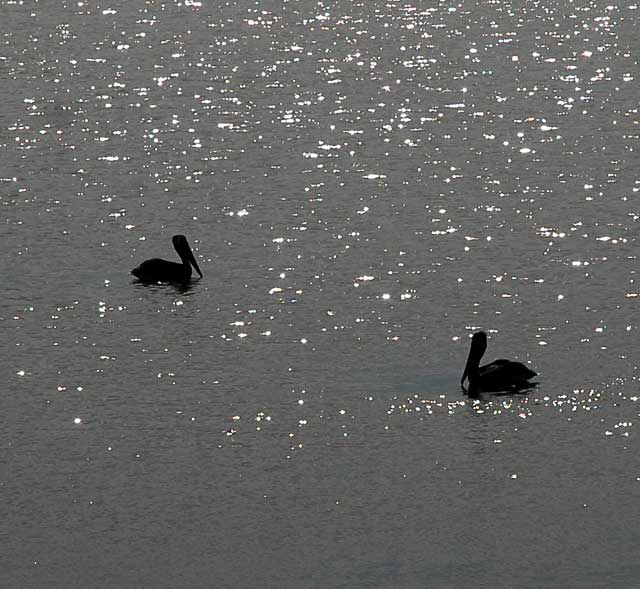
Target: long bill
[(478, 347), (192, 261), (469, 368)]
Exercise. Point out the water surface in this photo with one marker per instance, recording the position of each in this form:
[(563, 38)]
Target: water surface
[(365, 185)]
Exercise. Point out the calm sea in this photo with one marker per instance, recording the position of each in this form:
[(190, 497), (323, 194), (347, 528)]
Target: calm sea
[(364, 184)]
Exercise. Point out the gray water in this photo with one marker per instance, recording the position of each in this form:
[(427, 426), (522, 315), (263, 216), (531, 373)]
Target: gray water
[(364, 186)]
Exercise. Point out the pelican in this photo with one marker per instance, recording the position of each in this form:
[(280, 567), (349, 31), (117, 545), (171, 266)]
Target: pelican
[(500, 375), (157, 270)]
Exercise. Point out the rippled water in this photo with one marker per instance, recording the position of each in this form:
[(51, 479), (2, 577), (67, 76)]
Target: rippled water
[(365, 185)]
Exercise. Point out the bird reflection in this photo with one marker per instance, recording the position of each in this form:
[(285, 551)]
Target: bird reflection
[(180, 288)]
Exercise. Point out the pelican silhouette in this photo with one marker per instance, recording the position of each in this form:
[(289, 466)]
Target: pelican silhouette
[(157, 270), (500, 375)]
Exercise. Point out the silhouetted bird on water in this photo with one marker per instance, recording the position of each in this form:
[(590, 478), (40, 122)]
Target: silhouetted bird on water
[(500, 375), (157, 270)]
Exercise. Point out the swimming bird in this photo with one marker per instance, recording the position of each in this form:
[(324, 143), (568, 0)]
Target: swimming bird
[(500, 375), (157, 270)]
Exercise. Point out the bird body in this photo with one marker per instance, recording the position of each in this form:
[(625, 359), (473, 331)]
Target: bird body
[(158, 270), (499, 375)]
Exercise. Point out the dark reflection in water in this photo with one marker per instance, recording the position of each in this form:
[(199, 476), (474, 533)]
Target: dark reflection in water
[(181, 288), (511, 391)]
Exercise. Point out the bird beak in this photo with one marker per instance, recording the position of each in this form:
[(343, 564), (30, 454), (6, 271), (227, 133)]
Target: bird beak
[(464, 375), (193, 262), (476, 351)]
